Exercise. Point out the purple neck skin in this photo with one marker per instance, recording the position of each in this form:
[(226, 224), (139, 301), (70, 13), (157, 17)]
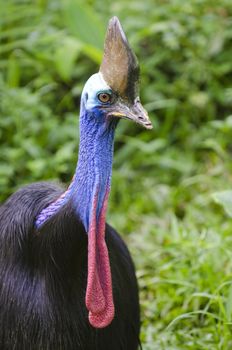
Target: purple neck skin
[(93, 170)]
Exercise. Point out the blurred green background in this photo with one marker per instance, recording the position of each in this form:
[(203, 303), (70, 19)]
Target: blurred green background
[(171, 195)]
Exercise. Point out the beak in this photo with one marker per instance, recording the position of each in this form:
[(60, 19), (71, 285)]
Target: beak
[(134, 112)]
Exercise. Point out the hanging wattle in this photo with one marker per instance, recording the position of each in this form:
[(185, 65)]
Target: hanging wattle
[(99, 297)]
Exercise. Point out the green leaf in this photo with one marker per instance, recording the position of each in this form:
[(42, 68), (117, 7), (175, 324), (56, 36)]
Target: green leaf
[(83, 23), (224, 198), (13, 72), (93, 53), (65, 57), (229, 305)]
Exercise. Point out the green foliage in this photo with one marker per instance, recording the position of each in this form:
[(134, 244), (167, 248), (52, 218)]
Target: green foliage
[(165, 181), (224, 198)]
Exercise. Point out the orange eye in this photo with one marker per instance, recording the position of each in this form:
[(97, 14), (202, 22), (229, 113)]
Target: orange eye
[(104, 97)]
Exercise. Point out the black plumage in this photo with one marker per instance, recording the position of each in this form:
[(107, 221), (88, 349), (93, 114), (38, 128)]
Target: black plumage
[(43, 280)]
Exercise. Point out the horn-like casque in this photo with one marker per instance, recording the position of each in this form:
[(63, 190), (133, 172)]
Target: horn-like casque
[(119, 66)]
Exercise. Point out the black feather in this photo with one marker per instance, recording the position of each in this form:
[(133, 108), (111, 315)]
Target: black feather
[(43, 278)]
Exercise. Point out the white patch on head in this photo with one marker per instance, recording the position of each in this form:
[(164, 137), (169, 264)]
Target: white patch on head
[(93, 86)]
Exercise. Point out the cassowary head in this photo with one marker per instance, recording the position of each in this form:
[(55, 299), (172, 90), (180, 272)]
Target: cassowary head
[(113, 92)]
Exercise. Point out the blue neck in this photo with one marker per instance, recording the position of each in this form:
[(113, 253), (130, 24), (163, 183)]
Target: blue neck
[(93, 172)]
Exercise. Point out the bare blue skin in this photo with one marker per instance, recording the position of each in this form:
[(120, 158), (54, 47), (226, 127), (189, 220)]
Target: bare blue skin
[(94, 167)]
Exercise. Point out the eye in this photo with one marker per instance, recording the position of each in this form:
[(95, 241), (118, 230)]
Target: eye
[(104, 97)]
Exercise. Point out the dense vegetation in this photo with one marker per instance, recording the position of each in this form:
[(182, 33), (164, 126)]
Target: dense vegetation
[(168, 182)]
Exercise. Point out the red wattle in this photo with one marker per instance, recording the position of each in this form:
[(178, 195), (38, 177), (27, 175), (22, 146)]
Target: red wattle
[(99, 295)]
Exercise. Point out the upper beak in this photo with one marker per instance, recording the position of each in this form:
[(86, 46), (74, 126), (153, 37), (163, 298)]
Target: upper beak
[(135, 112)]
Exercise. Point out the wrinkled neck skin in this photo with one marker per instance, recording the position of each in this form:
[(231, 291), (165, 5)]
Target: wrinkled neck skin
[(93, 173), (88, 193)]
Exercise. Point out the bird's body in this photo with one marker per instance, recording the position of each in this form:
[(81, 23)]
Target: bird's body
[(67, 281), (43, 280)]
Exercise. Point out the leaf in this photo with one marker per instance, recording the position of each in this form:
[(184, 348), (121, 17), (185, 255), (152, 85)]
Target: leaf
[(93, 53), (65, 57), (13, 72), (229, 305), (224, 198), (85, 25)]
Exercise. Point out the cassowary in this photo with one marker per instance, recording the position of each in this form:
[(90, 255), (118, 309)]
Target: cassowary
[(67, 281)]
